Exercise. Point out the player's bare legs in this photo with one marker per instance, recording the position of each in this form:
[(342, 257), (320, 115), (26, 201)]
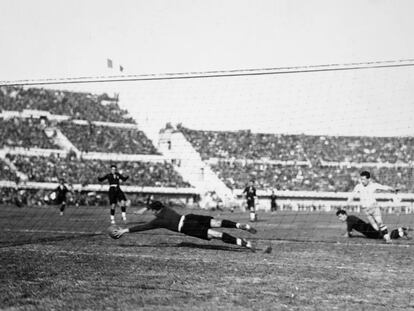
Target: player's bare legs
[(372, 221), (62, 208), (252, 214), (375, 219), (216, 223), (123, 210)]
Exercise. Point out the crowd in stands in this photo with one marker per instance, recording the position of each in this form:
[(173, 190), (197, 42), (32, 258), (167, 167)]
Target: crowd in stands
[(359, 149), (94, 138), (243, 156), (224, 145), (6, 173), (245, 145), (256, 146), (75, 104), (27, 133), (322, 178), (78, 171)]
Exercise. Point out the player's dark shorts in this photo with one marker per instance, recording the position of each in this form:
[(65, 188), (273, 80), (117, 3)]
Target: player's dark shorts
[(369, 231), (250, 204), (196, 226), (60, 199), (116, 195)]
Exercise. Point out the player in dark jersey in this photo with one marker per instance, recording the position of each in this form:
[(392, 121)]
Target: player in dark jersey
[(198, 226), (357, 224), (250, 192), (61, 191), (116, 195), (273, 205)]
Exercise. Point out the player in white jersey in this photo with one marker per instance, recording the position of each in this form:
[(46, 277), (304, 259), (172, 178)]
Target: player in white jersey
[(366, 190)]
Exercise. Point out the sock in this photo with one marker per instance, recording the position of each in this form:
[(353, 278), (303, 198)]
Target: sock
[(252, 216), (123, 208), (384, 232), (227, 238), (383, 229), (112, 218), (228, 224), (123, 215)]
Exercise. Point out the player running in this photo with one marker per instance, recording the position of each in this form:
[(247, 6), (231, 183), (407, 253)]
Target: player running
[(366, 191), (198, 226), (357, 224), (116, 195), (61, 191), (250, 192), (273, 204)]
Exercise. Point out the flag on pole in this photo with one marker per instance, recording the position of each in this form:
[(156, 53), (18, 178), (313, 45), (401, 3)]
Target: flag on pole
[(121, 69), (109, 63)]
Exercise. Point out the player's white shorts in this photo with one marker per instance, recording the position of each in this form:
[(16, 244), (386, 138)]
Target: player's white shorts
[(372, 210)]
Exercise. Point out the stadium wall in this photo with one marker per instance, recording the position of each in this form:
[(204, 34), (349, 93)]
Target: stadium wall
[(308, 201)]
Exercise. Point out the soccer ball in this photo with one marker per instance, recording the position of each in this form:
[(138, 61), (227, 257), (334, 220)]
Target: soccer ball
[(111, 231)]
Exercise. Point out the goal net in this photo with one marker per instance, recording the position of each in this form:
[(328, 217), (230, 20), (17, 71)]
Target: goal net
[(195, 141)]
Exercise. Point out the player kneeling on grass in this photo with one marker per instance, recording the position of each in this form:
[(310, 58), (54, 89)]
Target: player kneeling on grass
[(198, 226), (357, 224)]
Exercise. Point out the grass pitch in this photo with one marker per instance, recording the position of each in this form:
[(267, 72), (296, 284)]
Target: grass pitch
[(50, 262)]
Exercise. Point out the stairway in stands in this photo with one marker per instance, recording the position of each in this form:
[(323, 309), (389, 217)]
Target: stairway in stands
[(189, 164), (61, 140)]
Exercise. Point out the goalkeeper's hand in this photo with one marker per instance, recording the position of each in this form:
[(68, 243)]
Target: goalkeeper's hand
[(120, 232)]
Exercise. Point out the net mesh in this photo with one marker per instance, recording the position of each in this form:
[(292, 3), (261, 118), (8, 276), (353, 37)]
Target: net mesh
[(299, 134)]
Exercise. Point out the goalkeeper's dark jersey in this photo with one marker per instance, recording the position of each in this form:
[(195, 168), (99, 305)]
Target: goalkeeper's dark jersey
[(357, 224), (166, 218)]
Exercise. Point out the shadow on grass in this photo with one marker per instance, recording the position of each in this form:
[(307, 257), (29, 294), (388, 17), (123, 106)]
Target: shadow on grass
[(187, 245), (212, 247)]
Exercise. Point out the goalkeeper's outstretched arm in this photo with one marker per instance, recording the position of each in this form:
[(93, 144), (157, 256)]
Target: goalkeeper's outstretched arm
[(144, 227), (141, 211)]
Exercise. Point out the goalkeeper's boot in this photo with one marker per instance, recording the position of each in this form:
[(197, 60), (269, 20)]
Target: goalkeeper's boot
[(248, 228), (405, 232), (248, 244)]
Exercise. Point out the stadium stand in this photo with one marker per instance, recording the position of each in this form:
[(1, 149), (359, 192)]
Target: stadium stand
[(107, 139), (32, 117), (73, 170), (27, 133), (360, 149), (287, 162), (327, 163), (75, 104), (6, 173), (303, 178), (245, 144)]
